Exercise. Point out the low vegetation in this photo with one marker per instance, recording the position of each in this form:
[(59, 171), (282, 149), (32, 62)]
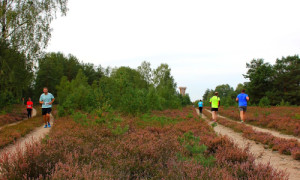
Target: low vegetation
[(11, 114), (9, 134), (283, 119), (172, 144), (283, 146)]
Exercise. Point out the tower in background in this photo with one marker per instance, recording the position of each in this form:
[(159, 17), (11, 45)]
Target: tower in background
[(182, 90)]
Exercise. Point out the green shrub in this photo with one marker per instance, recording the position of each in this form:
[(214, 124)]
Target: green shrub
[(194, 151), (161, 120), (81, 118), (297, 116), (190, 115), (283, 103), (264, 102), (118, 130)]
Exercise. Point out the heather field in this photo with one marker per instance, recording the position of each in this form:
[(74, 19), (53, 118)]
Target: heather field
[(12, 114), (170, 144), (283, 119), (283, 146)]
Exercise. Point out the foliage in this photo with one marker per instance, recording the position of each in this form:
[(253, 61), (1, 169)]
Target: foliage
[(125, 90), (26, 24), (81, 118), (194, 151), (277, 82), (264, 102), (226, 94), (54, 66), (15, 75)]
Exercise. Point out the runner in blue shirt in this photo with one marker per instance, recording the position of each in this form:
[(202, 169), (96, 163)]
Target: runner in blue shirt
[(200, 105), (243, 99), (46, 100)]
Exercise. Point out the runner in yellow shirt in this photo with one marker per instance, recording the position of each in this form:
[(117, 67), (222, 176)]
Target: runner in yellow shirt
[(215, 103)]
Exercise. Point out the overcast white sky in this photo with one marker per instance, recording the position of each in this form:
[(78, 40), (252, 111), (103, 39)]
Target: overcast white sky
[(205, 42)]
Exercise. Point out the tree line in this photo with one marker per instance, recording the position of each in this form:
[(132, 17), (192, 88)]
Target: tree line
[(267, 84), (84, 86)]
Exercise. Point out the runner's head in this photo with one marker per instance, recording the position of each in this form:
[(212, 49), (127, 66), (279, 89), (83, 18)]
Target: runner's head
[(29, 99), (45, 90), (200, 100), (243, 90), (216, 93)]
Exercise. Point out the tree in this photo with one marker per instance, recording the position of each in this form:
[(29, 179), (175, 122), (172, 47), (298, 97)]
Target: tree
[(50, 72), (239, 88), (261, 76), (26, 24), (166, 86), (207, 95), (91, 72), (224, 90), (287, 80), (145, 70), (15, 75)]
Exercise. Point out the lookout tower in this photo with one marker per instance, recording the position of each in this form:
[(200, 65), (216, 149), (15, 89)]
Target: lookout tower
[(182, 90)]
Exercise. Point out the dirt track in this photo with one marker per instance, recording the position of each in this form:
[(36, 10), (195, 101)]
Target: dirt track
[(35, 135), (273, 132), (262, 155)]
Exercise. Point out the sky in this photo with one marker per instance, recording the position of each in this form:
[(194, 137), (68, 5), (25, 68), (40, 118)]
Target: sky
[(205, 42)]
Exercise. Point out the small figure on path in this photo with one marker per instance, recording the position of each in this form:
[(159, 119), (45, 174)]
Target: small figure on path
[(215, 103), (46, 100), (29, 106), (200, 105), (243, 99)]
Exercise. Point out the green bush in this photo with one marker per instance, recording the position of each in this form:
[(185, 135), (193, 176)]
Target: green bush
[(264, 102), (81, 118), (118, 130), (283, 103), (194, 151)]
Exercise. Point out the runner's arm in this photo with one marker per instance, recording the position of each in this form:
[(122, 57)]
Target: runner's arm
[(247, 98), (52, 101), (237, 99)]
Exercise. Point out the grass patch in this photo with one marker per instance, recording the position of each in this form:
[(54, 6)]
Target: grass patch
[(152, 120)]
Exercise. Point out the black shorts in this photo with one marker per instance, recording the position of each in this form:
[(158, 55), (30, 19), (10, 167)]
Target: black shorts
[(243, 108), (46, 111), (214, 109)]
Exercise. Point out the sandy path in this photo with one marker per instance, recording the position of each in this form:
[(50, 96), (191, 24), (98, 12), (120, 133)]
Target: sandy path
[(273, 132), (35, 135), (262, 155), (12, 124)]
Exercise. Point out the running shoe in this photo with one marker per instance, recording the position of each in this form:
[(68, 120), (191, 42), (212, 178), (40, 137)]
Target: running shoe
[(45, 126), (49, 125), (242, 121)]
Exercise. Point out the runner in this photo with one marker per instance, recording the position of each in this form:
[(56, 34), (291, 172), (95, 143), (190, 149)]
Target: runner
[(200, 104), (243, 99), (46, 100), (29, 106), (215, 103)]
